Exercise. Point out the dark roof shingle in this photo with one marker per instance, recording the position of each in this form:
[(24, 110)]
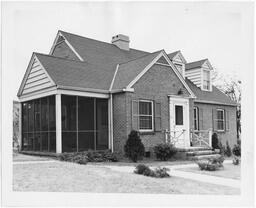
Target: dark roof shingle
[(195, 64), (215, 96)]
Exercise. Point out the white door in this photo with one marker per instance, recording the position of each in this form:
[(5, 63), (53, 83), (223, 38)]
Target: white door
[(179, 121)]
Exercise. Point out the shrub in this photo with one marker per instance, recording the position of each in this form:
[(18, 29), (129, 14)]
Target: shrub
[(90, 156), (236, 161), (222, 148), (164, 151), (134, 148), (215, 141), (211, 164), (227, 152), (237, 150), (146, 171)]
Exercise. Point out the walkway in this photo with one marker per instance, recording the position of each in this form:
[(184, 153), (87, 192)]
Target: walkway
[(174, 171)]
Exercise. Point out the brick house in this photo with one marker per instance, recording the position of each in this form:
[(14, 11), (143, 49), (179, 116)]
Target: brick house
[(87, 94)]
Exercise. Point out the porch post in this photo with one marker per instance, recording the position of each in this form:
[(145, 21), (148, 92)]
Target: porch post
[(58, 123), (110, 123), (20, 127)]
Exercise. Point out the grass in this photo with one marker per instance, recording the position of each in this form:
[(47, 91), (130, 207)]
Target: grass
[(228, 171), (71, 177)]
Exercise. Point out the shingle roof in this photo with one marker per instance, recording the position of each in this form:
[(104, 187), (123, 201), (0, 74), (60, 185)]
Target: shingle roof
[(195, 64), (128, 71), (173, 54), (98, 52), (215, 96), (66, 72)]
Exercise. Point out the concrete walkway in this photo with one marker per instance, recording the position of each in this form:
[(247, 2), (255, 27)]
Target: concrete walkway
[(174, 171), (34, 162)]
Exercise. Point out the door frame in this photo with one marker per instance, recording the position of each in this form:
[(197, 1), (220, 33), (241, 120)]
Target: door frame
[(184, 101)]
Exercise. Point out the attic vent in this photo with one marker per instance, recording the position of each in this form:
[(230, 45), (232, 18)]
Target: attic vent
[(121, 41)]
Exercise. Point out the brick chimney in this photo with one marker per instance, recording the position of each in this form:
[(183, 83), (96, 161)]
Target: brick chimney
[(121, 41)]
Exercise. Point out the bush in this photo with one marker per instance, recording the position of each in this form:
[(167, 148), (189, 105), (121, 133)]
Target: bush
[(164, 151), (222, 148), (90, 156), (237, 150), (236, 161), (211, 164), (146, 171), (134, 148), (215, 141), (227, 152)]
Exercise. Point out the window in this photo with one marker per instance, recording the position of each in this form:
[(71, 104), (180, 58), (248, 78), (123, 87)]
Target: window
[(220, 120), (179, 115), (146, 115), (206, 80), (196, 121)]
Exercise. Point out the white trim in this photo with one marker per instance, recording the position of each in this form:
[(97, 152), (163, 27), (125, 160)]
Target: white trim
[(83, 94), (182, 57), (214, 103), (61, 87), (111, 129), (68, 43), (202, 80), (112, 82), (152, 116), (58, 123), (144, 70), (197, 118), (20, 126), (38, 94)]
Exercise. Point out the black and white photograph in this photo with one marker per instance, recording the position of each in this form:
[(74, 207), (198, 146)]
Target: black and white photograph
[(132, 103)]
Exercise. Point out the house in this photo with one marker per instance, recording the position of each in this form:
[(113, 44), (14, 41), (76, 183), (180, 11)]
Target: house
[(87, 94)]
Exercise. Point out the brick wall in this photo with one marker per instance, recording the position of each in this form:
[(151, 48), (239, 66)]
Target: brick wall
[(207, 121), (158, 82), (62, 50)]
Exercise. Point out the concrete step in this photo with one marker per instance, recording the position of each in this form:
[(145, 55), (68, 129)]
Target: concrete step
[(201, 157), (201, 152)]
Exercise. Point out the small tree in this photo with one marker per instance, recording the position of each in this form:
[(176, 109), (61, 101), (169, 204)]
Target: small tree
[(228, 151), (134, 148)]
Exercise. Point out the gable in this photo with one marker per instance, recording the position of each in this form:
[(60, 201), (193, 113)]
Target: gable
[(207, 65), (36, 78), (162, 60), (62, 50), (178, 59), (160, 80)]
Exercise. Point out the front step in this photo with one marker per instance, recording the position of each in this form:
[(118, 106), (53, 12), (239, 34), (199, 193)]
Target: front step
[(201, 157), (198, 153), (201, 152)]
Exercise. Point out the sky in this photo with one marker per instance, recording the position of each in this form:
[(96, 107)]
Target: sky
[(217, 31)]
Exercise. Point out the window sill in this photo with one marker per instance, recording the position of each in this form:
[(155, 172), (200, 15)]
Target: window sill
[(147, 132), (221, 131)]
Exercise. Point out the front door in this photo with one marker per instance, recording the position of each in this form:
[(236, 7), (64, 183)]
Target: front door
[(179, 121)]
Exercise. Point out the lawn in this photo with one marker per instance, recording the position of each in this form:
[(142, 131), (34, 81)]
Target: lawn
[(71, 177), (228, 171)]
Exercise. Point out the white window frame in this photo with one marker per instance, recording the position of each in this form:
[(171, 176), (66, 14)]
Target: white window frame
[(152, 110), (197, 119), (217, 119), (206, 70)]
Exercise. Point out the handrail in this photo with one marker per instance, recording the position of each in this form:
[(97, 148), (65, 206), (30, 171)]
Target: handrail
[(198, 137)]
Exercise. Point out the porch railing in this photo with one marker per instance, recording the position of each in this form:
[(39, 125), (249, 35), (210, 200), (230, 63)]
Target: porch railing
[(173, 137), (201, 138)]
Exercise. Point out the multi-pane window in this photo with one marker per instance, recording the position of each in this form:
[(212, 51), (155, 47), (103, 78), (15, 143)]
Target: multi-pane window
[(146, 115), (206, 80), (196, 121), (220, 119)]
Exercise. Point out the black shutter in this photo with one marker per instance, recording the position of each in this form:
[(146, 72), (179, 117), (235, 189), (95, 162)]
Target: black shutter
[(158, 119), (214, 119), (227, 120), (201, 121), (135, 115)]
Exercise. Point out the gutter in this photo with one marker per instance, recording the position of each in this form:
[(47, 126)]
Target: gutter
[(214, 103)]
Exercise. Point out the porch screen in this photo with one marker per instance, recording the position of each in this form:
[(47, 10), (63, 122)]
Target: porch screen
[(38, 125), (84, 123)]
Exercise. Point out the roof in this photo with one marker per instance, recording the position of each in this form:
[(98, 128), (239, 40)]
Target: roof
[(100, 53), (215, 96), (173, 54), (195, 64), (72, 73), (126, 72)]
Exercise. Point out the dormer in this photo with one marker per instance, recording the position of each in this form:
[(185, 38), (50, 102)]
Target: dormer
[(200, 73), (179, 61)]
